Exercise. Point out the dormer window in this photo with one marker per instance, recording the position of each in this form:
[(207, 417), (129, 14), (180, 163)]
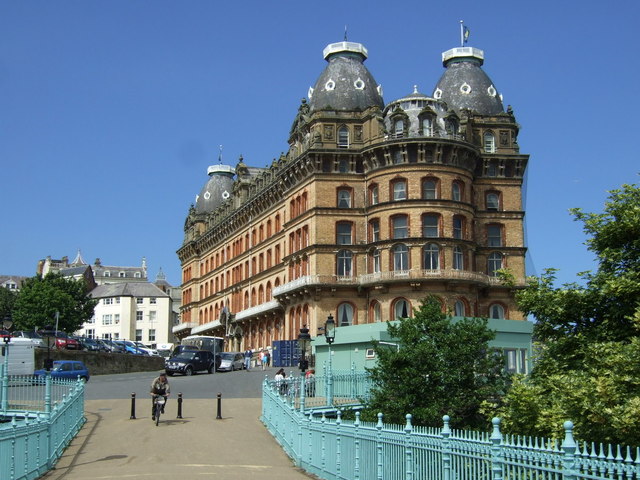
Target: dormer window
[(121, 274), (343, 137), (451, 126), (489, 142), (398, 128), (427, 126)]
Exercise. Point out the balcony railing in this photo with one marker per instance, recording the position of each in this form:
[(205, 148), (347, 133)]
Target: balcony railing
[(258, 309), (308, 280), (183, 326), (206, 326)]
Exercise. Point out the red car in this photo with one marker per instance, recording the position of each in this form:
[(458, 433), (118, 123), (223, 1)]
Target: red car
[(59, 340)]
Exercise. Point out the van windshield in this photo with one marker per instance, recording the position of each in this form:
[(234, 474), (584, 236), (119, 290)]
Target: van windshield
[(185, 356)]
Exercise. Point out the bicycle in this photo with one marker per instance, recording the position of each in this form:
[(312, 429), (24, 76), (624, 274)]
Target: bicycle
[(158, 401)]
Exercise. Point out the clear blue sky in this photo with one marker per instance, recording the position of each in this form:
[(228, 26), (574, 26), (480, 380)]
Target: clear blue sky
[(110, 112)]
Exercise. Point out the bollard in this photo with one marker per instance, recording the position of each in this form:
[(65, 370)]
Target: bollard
[(179, 405), (219, 415), (133, 406)]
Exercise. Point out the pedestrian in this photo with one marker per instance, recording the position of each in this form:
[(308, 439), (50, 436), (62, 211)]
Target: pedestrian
[(268, 355), (310, 383), (281, 384), (263, 360), (248, 355)]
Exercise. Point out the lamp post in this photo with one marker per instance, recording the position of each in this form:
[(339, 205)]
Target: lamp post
[(48, 363), (329, 336), (7, 322), (303, 342)]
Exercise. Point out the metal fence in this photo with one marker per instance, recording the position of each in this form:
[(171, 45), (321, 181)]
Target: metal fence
[(317, 438), (38, 419)]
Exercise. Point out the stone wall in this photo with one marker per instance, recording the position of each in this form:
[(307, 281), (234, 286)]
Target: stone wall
[(104, 363)]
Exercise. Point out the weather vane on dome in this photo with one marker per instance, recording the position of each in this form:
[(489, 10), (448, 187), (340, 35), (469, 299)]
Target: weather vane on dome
[(464, 33), (220, 156)]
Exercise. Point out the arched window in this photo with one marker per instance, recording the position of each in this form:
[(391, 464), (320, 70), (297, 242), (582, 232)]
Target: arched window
[(344, 198), (246, 300), (399, 226), (277, 222), (401, 309), (400, 256), (345, 314), (489, 142), (427, 126), (429, 189), (494, 263), (343, 137), (376, 312), (496, 311), (492, 201), (344, 263), (261, 295), (451, 126), (343, 233), (458, 258), (373, 195), (375, 261), (430, 224), (456, 191), (398, 128), (431, 257), (459, 309), (399, 188)]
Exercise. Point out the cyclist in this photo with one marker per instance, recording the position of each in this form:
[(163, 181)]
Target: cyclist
[(159, 386)]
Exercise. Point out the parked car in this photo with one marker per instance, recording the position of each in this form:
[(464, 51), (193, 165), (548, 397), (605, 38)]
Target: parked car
[(183, 348), (70, 369), (88, 344), (103, 345), (230, 361), (28, 336), (59, 340), (190, 362), (148, 350), (113, 346)]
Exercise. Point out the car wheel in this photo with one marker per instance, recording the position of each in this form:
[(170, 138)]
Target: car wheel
[(210, 369), (84, 379), (188, 371)]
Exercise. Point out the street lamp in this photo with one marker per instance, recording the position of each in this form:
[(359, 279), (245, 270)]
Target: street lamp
[(7, 322), (329, 336), (48, 363), (303, 342)]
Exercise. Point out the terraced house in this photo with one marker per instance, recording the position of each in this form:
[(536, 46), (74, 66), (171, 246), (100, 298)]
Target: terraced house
[(374, 206)]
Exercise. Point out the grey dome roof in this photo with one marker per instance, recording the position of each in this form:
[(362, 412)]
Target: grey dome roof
[(345, 84), (217, 189), (465, 85)]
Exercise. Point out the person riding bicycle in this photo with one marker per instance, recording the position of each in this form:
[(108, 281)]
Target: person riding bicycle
[(159, 386)]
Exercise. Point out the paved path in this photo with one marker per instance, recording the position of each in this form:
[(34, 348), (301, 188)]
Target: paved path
[(198, 446)]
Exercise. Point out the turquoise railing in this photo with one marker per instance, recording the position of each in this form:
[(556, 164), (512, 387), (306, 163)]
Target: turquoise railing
[(322, 443), (38, 419)]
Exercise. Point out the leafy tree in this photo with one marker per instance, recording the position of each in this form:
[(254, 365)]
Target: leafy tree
[(40, 298), (7, 299), (441, 368), (587, 367)]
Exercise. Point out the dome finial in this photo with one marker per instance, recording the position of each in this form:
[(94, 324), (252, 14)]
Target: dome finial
[(220, 156), (415, 89), (345, 33)]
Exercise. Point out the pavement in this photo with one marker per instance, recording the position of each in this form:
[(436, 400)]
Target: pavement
[(111, 445)]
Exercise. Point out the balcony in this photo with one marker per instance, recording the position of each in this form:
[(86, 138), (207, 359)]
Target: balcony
[(183, 326), (258, 310), (206, 326), (310, 280), (448, 275)]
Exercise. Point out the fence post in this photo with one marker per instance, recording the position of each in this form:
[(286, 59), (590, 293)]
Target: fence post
[(47, 394), (379, 446), (338, 452), (445, 433), (569, 449), (408, 452), (496, 450), (299, 453), (133, 406), (322, 443), (310, 438), (353, 381), (356, 441)]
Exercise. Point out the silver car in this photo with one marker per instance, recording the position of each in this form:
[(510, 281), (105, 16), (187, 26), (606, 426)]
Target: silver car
[(230, 361)]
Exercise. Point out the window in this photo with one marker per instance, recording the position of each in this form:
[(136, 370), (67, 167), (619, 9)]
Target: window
[(137, 275), (345, 263), (152, 301), (399, 190), (431, 257), (399, 226), (107, 301), (344, 198), (373, 195), (430, 226), (458, 227), (401, 309), (516, 360), (375, 261), (494, 235), (427, 126), (139, 316), (90, 333), (343, 137), (121, 274), (138, 335), (152, 315), (345, 314), (374, 230), (456, 192), (496, 311), (458, 258), (107, 273), (107, 319), (494, 263), (398, 128), (343, 233), (429, 189), (400, 256), (116, 318), (376, 312), (489, 142), (343, 165), (139, 300), (459, 309), (152, 335), (493, 201), (117, 300), (451, 126)]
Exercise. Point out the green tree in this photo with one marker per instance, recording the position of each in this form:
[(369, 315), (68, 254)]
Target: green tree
[(441, 368), (40, 298), (7, 299), (588, 348)]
